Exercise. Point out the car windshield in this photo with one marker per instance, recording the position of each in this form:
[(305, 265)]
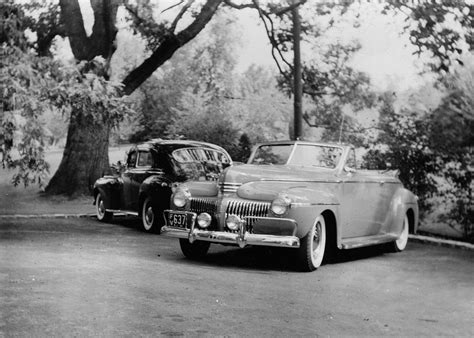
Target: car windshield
[(199, 163), (300, 154)]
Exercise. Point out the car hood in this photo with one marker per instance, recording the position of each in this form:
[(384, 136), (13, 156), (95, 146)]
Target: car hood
[(250, 173), (265, 182)]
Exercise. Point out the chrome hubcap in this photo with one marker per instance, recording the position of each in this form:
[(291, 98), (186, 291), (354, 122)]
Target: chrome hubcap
[(316, 239), (402, 241), (101, 208), (149, 216)]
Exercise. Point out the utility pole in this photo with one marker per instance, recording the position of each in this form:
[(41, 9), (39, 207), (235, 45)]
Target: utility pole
[(297, 86)]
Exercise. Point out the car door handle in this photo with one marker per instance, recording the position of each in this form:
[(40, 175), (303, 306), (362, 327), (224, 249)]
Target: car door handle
[(382, 182)]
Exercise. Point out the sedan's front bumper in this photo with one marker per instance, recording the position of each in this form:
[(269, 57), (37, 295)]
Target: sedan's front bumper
[(242, 238)]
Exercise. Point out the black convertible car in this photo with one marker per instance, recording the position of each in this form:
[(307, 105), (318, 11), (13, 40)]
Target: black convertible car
[(143, 186)]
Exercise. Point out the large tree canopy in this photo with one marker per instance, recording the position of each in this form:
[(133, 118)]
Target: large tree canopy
[(185, 20)]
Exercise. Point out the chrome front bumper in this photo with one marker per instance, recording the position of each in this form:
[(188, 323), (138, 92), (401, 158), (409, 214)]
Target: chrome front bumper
[(242, 238)]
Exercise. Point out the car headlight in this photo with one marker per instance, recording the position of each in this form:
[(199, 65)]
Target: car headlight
[(204, 220), (233, 222), (181, 197), (281, 205)]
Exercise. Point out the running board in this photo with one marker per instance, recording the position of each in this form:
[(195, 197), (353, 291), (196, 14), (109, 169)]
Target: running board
[(119, 212), (358, 242)]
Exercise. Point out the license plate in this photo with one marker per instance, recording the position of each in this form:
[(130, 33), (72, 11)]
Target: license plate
[(179, 220)]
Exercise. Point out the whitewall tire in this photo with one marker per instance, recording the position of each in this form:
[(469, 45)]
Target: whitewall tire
[(313, 246), (102, 214)]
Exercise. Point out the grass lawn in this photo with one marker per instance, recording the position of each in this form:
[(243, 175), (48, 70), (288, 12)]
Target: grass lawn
[(29, 200)]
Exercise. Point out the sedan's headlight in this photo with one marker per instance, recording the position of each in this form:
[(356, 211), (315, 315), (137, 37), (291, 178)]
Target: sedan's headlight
[(281, 205), (181, 197)]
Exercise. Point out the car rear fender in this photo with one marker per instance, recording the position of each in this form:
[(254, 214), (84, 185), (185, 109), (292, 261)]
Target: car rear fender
[(403, 202)]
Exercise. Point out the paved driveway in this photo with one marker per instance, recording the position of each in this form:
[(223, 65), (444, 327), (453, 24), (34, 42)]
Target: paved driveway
[(78, 277)]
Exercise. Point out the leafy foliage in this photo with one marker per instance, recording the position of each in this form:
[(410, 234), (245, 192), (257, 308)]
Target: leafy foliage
[(32, 85), (200, 80), (452, 136), (434, 163), (199, 118), (142, 22), (438, 27), (330, 84)]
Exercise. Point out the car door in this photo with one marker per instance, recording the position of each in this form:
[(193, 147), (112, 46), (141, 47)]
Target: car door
[(127, 176), (366, 200), (360, 201), (136, 175)]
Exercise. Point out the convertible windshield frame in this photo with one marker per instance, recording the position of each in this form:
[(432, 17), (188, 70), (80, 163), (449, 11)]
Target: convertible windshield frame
[(332, 161)]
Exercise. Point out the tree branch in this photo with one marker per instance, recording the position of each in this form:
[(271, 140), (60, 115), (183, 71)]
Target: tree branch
[(172, 6), (271, 37), (289, 8), (241, 6), (255, 5), (180, 15), (134, 13), (168, 46)]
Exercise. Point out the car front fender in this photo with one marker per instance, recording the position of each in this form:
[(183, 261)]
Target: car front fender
[(308, 200), (111, 189), (158, 189)]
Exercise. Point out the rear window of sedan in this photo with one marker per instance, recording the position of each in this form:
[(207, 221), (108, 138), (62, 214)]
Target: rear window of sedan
[(186, 155), (199, 163)]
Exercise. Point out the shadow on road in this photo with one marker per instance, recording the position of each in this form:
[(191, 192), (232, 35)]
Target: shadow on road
[(278, 259), (256, 258)]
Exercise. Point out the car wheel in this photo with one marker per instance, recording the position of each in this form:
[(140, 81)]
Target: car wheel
[(102, 214), (194, 250), (401, 243), (313, 246), (150, 218)]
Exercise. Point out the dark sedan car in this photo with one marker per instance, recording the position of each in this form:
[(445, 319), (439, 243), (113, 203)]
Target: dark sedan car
[(143, 186)]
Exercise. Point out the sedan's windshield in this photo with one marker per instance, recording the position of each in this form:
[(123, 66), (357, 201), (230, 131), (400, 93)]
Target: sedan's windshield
[(299, 154)]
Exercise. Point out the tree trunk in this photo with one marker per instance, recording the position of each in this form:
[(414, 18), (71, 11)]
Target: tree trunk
[(85, 156)]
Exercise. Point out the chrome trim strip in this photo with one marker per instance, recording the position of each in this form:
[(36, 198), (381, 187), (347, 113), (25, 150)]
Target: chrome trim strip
[(131, 213), (322, 181), (358, 242), (307, 204), (229, 187)]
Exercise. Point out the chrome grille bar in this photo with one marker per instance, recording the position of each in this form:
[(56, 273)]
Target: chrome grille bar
[(199, 205), (248, 211)]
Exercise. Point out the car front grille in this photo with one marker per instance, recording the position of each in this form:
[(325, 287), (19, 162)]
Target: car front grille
[(199, 205), (248, 211)]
